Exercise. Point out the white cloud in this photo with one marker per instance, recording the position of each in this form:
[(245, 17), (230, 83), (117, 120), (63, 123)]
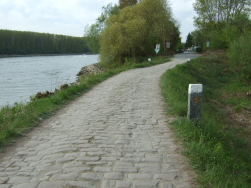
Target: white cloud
[(182, 5), (67, 17), (184, 13)]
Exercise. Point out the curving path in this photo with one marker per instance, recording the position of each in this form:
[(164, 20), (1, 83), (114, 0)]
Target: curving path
[(116, 135)]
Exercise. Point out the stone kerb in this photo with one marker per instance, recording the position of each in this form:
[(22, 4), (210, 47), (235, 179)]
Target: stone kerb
[(195, 102)]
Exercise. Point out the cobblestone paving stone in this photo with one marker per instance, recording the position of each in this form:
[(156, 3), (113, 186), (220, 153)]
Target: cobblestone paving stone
[(116, 135)]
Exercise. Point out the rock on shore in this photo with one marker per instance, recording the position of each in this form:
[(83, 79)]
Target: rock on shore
[(91, 69)]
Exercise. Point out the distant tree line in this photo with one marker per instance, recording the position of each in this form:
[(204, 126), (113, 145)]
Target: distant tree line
[(25, 42)]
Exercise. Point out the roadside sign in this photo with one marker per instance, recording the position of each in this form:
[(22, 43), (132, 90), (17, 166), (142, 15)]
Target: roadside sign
[(208, 44), (168, 44), (157, 50)]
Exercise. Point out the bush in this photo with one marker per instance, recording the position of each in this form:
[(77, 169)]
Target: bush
[(134, 32), (239, 57), (217, 40)]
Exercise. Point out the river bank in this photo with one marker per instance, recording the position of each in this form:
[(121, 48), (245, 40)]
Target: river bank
[(22, 77)]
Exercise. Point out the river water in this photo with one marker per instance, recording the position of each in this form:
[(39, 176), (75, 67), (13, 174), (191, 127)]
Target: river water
[(22, 77)]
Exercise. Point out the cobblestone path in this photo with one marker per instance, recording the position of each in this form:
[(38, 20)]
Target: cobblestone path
[(116, 135)]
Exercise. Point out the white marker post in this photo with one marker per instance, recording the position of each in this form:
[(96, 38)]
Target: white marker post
[(195, 102), (188, 61)]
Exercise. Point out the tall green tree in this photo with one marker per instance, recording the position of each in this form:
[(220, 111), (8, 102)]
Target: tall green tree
[(91, 36), (220, 10), (189, 41), (93, 32), (125, 3), (134, 32), (222, 21), (197, 38)]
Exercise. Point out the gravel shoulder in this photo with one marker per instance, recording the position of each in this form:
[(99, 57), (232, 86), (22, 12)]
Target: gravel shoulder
[(116, 135)]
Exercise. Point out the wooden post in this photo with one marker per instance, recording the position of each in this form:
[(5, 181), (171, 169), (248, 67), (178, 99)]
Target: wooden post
[(195, 102)]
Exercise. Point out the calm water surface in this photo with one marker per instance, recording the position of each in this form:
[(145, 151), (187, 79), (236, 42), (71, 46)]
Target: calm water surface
[(22, 77)]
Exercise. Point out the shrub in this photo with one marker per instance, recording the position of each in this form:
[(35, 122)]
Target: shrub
[(134, 32), (239, 57)]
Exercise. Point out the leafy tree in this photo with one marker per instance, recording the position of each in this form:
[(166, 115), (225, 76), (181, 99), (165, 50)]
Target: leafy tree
[(125, 3), (189, 41), (92, 33), (197, 38), (180, 45), (222, 21), (216, 11), (92, 37), (134, 32)]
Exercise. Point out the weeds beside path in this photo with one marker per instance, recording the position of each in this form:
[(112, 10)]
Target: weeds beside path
[(218, 147)]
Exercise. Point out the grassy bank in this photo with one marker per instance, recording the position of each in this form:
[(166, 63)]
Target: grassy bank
[(15, 121), (218, 147)]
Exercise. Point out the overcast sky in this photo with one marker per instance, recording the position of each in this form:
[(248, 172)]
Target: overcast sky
[(69, 17)]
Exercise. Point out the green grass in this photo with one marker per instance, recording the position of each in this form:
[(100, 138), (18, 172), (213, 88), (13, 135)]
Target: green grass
[(16, 120), (218, 152)]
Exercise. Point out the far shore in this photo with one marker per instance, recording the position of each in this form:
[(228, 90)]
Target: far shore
[(34, 55)]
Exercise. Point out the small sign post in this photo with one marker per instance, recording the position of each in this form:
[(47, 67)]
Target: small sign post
[(168, 44), (195, 102), (157, 49)]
